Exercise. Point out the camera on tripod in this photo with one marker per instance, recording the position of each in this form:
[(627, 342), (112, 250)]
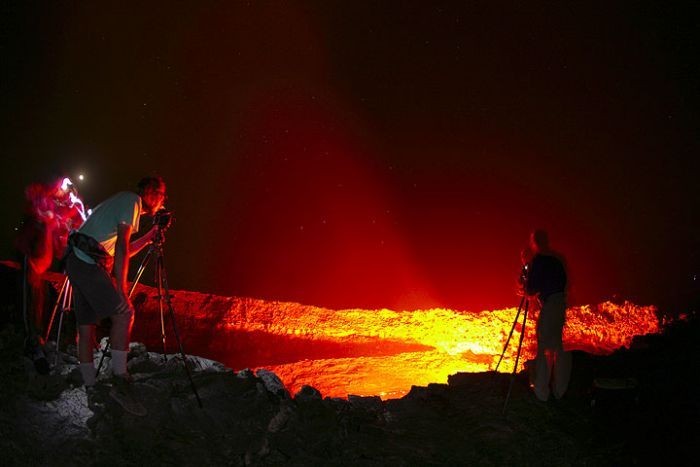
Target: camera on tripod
[(523, 274), (525, 259), (163, 218)]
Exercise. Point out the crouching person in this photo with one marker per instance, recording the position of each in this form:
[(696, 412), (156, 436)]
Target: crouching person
[(97, 265)]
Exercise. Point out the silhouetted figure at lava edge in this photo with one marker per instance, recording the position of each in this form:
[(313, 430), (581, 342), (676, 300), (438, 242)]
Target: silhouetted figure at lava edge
[(546, 280)]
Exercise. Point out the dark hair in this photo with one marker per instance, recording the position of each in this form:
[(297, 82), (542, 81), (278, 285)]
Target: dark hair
[(540, 238), (154, 181)]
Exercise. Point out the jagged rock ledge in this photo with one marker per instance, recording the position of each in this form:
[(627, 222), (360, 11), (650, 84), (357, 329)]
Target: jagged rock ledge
[(249, 419)]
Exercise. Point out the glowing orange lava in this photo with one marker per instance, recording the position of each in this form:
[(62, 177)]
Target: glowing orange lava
[(372, 352), (460, 342)]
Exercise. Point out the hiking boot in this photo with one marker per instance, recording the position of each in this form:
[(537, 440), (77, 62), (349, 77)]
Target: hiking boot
[(123, 393), (94, 401), (35, 353)]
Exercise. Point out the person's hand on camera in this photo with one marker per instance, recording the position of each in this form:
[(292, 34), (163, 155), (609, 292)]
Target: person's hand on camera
[(163, 219)]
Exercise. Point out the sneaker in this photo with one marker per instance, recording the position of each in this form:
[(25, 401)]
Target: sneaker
[(93, 401), (122, 392), (36, 354)]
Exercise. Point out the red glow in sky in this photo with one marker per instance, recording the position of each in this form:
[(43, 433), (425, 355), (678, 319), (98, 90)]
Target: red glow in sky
[(374, 154), (324, 222)]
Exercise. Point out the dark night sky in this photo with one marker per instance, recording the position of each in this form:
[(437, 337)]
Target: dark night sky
[(373, 153)]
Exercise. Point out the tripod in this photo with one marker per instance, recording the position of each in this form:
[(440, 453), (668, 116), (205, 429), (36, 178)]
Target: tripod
[(524, 304), (64, 301), (161, 278)]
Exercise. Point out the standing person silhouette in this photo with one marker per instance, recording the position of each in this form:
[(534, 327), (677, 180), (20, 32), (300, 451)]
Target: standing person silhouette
[(547, 281)]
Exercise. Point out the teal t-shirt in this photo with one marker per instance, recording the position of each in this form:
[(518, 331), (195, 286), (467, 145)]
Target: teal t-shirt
[(122, 208)]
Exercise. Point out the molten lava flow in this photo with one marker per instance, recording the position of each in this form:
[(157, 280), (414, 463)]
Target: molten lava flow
[(462, 342), (373, 352)]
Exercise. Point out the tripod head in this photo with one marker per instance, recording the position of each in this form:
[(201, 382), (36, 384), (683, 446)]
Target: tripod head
[(523, 274), (162, 219), (525, 258)]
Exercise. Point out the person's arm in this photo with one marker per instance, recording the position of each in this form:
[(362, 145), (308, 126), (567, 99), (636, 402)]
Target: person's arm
[(141, 242), (121, 256)]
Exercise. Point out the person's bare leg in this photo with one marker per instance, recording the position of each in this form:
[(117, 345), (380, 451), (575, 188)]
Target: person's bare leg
[(86, 341), (543, 372), (119, 336)]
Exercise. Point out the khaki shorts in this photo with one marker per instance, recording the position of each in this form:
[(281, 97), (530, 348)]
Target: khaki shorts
[(95, 295)]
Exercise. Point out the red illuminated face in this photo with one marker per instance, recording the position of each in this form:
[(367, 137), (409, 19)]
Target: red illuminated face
[(153, 199)]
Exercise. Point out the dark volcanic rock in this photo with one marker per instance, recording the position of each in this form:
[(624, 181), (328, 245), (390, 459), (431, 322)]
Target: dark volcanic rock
[(247, 419)]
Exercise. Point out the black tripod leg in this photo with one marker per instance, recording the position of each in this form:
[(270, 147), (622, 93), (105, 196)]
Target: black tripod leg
[(55, 308), (515, 321), (102, 357), (140, 270), (66, 304), (161, 298), (517, 358), (164, 284)]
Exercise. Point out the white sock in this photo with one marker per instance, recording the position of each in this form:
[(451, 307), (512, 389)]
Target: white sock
[(119, 362), (89, 372)]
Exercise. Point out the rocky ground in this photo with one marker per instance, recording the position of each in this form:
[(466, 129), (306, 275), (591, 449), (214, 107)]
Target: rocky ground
[(249, 419)]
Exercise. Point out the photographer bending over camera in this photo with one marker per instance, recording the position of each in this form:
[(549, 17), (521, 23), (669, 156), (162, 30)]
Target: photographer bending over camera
[(97, 265)]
